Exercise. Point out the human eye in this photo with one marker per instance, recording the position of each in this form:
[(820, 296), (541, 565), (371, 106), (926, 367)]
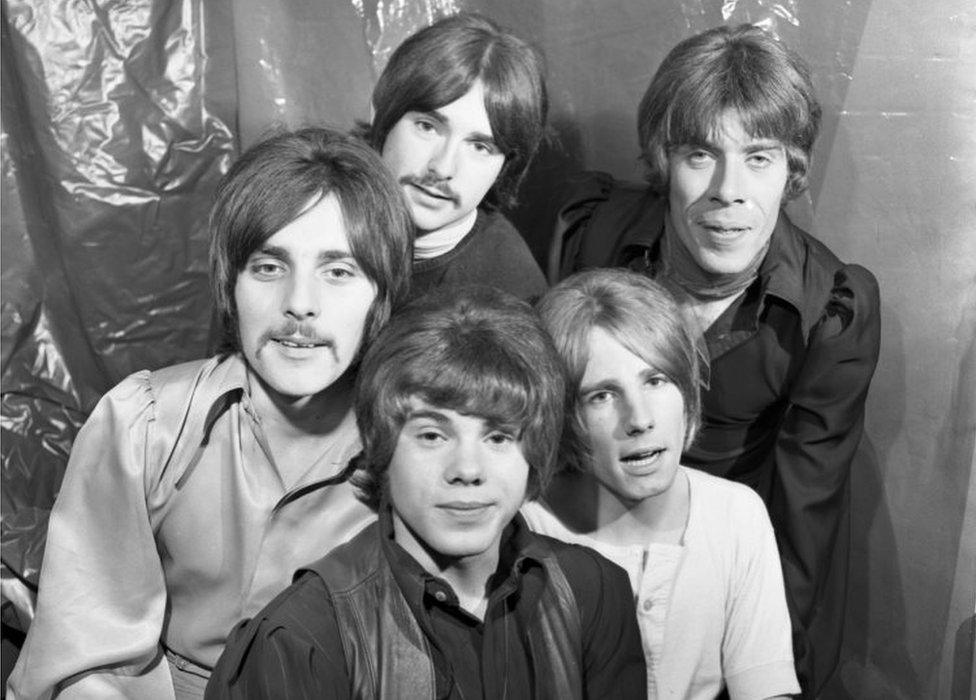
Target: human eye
[(425, 125), (485, 148), (265, 268), (598, 397), (501, 438), (428, 436), (340, 271), (698, 157), (657, 380), (759, 160)]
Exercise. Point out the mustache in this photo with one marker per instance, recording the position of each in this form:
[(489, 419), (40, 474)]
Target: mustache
[(433, 182), (294, 330)]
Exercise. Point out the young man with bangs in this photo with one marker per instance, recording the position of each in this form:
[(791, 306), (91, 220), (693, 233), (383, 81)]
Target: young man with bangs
[(699, 550), (194, 492), (727, 127), (458, 114), (449, 595)]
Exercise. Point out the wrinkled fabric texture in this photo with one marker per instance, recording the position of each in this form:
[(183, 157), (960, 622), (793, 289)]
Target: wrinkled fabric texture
[(712, 610), (559, 624), (790, 362), (193, 529), (492, 253)]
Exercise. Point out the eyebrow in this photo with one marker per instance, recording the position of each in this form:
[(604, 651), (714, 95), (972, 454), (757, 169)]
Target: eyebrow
[(598, 386), (473, 136), (282, 253)]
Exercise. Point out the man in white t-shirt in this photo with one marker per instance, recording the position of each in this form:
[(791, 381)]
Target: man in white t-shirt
[(699, 550)]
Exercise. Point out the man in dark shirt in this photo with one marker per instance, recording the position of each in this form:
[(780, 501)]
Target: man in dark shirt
[(727, 127), (460, 404), (459, 113)]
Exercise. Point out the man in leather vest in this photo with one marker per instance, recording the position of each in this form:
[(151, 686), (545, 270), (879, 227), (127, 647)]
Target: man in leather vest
[(726, 129), (460, 403)]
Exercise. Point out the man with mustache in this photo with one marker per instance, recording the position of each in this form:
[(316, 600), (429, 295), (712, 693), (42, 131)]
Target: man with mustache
[(727, 127), (458, 114), (194, 492)]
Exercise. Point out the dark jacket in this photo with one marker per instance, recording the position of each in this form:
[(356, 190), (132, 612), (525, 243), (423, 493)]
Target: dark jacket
[(358, 624), (790, 365)]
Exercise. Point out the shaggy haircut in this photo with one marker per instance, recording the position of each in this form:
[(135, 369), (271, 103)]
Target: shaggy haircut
[(271, 184), (638, 313), (742, 69), (475, 350), (440, 63)]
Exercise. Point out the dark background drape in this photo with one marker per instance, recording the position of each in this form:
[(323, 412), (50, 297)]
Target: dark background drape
[(118, 118)]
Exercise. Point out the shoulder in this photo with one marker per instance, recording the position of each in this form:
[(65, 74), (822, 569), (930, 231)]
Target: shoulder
[(820, 263), (598, 217), (588, 572), (299, 623), (723, 501)]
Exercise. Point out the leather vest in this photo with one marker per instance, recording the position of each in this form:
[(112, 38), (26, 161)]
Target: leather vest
[(387, 655)]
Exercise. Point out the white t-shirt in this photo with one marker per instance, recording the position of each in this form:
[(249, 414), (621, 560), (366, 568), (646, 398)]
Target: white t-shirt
[(711, 610)]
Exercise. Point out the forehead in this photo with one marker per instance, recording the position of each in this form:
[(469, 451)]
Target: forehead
[(467, 113), (730, 131), (610, 359), (319, 227), (420, 410)]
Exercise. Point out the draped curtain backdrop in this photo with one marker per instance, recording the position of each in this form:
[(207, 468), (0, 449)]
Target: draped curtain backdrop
[(118, 119)]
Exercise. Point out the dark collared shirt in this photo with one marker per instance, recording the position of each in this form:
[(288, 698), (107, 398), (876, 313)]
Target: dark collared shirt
[(293, 648), (790, 365)]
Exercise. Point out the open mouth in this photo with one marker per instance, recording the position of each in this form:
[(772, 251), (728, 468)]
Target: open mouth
[(724, 230), (304, 344), (642, 458)]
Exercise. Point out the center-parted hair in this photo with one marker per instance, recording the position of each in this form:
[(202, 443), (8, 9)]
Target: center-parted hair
[(271, 184), (475, 350), (742, 69), (440, 63), (638, 313)]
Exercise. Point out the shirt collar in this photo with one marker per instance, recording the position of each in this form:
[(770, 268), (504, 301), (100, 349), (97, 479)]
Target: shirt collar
[(229, 382), (781, 273), (520, 550)]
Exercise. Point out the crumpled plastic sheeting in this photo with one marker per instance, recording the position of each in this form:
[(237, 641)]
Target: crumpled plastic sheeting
[(387, 24), (116, 128), (118, 121)]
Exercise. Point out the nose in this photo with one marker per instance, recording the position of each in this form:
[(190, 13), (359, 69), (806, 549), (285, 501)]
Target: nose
[(465, 466), (443, 159), (301, 297), (640, 415), (727, 183)]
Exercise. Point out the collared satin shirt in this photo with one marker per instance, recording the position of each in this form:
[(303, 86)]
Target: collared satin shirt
[(173, 524)]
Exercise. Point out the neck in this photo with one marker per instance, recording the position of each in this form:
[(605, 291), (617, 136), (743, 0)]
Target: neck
[(681, 270), (431, 244), (298, 417), (468, 576), (612, 519)]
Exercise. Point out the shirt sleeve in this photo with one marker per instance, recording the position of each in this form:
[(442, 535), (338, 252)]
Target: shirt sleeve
[(101, 593), (613, 657), (291, 650), (816, 445), (757, 652)]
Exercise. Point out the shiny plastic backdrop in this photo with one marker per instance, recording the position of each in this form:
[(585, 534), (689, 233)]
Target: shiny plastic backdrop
[(117, 124)]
